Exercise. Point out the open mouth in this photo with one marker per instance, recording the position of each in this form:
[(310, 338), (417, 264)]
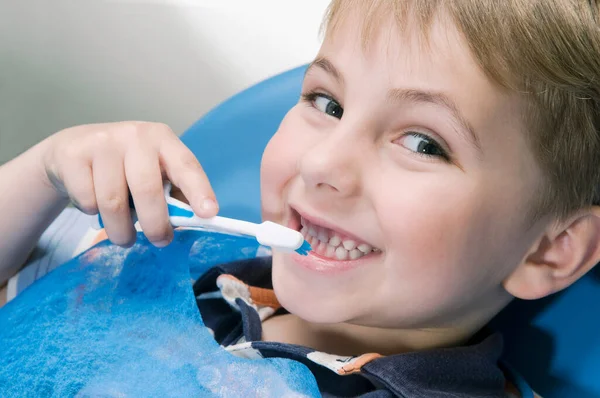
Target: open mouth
[(332, 244)]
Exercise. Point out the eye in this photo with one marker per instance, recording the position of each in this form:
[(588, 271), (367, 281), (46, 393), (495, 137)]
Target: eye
[(325, 104), (423, 145)]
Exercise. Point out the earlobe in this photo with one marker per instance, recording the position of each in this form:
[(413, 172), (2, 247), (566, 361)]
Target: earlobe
[(563, 254)]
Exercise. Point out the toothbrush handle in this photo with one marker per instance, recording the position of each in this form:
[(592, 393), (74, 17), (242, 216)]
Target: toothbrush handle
[(182, 215), (219, 224), (268, 233)]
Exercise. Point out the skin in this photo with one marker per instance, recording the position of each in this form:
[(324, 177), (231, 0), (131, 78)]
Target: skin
[(451, 230), (95, 166)]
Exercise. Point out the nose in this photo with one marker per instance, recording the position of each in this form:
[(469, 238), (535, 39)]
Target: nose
[(332, 165)]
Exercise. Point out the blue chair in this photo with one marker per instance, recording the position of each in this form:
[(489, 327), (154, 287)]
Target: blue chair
[(554, 343)]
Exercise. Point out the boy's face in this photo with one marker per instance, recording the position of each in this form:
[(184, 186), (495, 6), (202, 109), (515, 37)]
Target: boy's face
[(410, 151)]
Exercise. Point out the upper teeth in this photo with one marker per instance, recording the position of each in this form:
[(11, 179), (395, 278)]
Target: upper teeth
[(349, 244), (329, 244), (335, 240)]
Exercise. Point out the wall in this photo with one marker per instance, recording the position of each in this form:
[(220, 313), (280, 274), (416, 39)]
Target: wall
[(68, 62)]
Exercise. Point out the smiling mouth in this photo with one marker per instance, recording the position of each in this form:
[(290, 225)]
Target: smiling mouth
[(332, 244)]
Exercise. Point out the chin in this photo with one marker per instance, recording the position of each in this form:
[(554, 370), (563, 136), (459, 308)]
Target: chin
[(306, 300), (310, 313)]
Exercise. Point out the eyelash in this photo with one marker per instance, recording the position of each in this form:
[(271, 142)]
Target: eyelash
[(443, 155), (311, 96)]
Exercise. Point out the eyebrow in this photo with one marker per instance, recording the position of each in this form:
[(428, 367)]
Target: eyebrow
[(411, 95), (327, 66)]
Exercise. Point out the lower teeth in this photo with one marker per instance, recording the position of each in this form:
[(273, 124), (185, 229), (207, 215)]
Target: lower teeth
[(335, 252), (341, 253)]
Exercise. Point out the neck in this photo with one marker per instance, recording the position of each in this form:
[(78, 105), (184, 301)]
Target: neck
[(349, 339)]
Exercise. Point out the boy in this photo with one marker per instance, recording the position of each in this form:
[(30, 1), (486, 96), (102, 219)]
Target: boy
[(442, 160)]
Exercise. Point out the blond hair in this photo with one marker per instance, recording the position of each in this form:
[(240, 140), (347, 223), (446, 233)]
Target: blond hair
[(549, 50)]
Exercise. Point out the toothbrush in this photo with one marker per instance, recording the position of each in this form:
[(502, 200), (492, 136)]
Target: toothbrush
[(267, 233)]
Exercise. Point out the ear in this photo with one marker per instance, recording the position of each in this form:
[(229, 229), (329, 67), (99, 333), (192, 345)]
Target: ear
[(563, 254)]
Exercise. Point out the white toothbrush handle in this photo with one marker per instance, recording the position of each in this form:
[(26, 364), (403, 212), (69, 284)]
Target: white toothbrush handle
[(182, 215), (268, 233), (216, 223)]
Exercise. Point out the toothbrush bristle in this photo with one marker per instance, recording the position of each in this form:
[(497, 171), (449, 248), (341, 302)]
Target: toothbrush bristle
[(304, 249)]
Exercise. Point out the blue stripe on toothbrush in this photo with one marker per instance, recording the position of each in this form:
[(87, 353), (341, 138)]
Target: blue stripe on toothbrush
[(304, 249), (175, 211)]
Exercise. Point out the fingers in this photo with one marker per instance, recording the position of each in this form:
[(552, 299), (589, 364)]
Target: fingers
[(184, 171), (142, 170), (112, 197), (78, 183)]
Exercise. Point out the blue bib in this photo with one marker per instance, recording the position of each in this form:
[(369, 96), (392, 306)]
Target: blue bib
[(124, 322)]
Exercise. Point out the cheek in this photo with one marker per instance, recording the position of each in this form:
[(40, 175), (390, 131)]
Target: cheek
[(445, 238), (279, 164), (420, 229)]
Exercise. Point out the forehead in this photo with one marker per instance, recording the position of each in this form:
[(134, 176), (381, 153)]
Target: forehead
[(401, 42)]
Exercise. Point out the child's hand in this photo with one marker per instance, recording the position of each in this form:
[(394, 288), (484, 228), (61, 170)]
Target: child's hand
[(96, 166)]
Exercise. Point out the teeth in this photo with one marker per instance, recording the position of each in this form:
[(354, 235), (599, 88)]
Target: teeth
[(333, 247), (323, 235), (322, 247), (363, 247), (330, 252), (356, 254), (335, 241), (349, 244), (341, 253)]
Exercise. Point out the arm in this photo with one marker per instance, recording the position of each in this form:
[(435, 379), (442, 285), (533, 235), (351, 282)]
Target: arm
[(28, 204)]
